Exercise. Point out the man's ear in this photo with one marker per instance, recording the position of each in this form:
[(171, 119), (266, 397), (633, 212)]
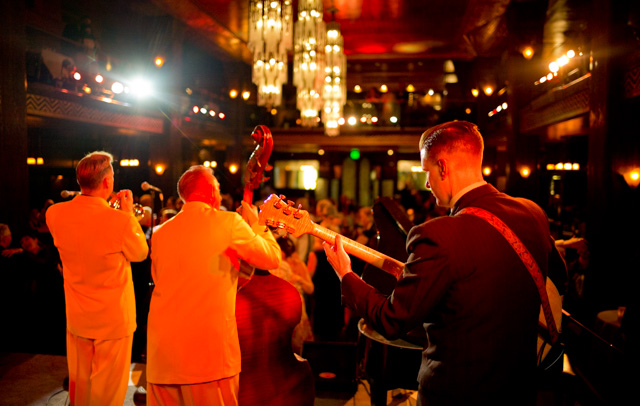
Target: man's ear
[(442, 168)]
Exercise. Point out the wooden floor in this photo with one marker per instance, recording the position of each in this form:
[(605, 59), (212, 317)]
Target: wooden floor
[(36, 380)]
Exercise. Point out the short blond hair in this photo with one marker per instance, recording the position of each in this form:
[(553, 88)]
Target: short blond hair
[(197, 182), (453, 137), (92, 169)]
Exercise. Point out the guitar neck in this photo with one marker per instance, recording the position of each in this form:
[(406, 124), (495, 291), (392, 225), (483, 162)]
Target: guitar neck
[(367, 254)]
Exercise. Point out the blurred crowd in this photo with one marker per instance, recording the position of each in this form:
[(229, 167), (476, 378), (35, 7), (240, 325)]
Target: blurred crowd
[(33, 294)]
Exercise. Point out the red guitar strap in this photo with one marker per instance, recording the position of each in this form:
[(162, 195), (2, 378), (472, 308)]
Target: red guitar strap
[(526, 258)]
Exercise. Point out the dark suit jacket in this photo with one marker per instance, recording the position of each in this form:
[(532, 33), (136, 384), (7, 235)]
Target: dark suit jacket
[(476, 300)]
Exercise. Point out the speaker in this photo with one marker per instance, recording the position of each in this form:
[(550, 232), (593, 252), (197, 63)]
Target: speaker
[(334, 365)]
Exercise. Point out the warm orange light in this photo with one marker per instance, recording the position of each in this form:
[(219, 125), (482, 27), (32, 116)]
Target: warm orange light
[(357, 89), (77, 76), (527, 52), (31, 161), (39, 161), (632, 177), (233, 168), (221, 115), (195, 109), (233, 93), (475, 92), (384, 88), (525, 172), (99, 78), (486, 171), (159, 61), (160, 169), (550, 167), (246, 94), (488, 90)]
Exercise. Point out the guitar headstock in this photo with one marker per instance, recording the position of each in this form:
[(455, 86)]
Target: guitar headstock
[(276, 212)]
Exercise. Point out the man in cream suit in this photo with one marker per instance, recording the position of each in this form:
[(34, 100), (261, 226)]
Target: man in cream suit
[(96, 245), (193, 354)]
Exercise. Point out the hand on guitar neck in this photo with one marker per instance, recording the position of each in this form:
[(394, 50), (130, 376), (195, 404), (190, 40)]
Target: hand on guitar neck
[(337, 257), (275, 212)]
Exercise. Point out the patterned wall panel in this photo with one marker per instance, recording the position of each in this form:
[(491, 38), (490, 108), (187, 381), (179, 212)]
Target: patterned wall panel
[(558, 105), (40, 105), (632, 82)]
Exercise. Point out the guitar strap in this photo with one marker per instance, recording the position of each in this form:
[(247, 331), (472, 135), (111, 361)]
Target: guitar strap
[(527, 259)]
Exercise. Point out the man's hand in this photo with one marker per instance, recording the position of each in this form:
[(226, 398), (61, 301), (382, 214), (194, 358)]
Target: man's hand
[(11, 251), (248, 212), (337, 257), (126, 200)]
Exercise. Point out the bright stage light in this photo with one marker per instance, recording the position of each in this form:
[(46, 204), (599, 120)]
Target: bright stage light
[(117, 87), (141, 87)]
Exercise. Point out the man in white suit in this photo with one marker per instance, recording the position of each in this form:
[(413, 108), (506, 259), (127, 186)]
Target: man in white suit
[(97, 245), (193, 354)]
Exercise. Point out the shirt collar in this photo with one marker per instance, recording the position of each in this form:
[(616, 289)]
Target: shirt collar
[(461, 193)]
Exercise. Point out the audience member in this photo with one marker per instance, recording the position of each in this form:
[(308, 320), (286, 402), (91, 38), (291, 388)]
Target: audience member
[(193, 348), (97, 244), (293, 270), (463, 282)]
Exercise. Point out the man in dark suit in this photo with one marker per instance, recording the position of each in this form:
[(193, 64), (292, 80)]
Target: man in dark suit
[(464, 282)]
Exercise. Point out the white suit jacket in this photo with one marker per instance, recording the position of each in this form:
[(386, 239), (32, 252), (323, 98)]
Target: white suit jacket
[(192, 332), (96, 244)]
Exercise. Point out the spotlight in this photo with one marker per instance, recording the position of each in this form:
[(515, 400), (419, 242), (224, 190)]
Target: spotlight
[(141, 87), (117, 87), (99, 78)]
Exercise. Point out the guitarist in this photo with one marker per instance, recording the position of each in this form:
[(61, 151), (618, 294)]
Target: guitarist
[(464, 282)]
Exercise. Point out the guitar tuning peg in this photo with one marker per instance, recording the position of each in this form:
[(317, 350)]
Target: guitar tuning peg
[(283, 197)]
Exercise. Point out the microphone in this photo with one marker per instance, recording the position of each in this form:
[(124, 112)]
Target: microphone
[(67, 193), (146, 186)]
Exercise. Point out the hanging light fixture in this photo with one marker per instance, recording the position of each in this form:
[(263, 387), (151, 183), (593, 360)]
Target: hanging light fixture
[(334, 90), (308, 62), (270, 38)]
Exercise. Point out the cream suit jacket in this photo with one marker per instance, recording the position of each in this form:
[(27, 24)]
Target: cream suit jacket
[(96, 245), (192, 333)]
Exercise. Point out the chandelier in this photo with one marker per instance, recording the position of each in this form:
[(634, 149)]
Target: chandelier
[(308, 62), (334, 91), (270, 38)]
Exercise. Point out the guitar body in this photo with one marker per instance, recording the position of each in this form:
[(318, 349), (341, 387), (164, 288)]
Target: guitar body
[(267, 310)]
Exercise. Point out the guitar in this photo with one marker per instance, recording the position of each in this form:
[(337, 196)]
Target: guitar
[(277, 213), (253, 176)]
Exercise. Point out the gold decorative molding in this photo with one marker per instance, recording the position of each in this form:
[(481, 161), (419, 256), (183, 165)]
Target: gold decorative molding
[(45, 106)]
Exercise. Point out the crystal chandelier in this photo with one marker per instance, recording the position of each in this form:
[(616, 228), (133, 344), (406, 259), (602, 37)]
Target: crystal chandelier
[(334, 91), (270, 38), (308, 62)]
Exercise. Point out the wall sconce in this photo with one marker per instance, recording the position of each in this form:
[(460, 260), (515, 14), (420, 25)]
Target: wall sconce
[(632, 177)]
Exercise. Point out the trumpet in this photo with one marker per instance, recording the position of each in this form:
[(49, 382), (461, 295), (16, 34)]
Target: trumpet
[(114, 202)]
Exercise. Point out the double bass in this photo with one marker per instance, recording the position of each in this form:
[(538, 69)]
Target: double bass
[(267, 310)]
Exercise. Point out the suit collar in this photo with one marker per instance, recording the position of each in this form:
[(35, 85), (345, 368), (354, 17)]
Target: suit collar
[(90, 200), (468, 198)]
